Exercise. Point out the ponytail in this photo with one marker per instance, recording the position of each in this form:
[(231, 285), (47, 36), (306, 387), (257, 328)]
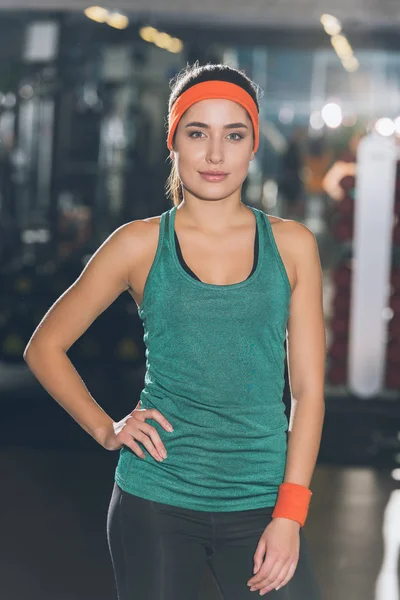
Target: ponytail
[(174, 186)]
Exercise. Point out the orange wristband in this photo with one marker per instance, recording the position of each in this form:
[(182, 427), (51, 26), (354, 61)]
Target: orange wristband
[(293, 502)]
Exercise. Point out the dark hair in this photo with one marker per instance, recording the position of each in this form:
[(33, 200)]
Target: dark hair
[(185, 79)]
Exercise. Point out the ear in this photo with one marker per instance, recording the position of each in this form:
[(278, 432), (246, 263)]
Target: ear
[(252, 156), (172, 154)]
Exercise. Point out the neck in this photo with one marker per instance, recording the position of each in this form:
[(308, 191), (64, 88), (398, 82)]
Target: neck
[(212, 216)]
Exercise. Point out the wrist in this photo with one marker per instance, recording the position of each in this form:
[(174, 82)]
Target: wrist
[(104, 433), (287, 519), (292, 502)]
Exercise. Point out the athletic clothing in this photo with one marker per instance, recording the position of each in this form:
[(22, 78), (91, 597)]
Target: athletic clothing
[(189, 270), (161, 552), (215, 369)]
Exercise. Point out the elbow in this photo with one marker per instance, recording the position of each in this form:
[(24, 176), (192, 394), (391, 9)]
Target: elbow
[(36, 348), (31, 349), (27, 352)]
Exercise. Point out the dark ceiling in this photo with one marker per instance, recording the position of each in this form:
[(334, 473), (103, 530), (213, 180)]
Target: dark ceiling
[(362, 15)]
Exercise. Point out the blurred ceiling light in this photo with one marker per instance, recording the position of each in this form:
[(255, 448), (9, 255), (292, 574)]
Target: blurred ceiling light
[(339, 41), (341, 45), (148, 33), (351, 63), (397, 125), (97, 13), (286, 115), (331, 24), (162, 40), (316, 120), (117, 20), (176, 45), (332, 114), (385, 126)]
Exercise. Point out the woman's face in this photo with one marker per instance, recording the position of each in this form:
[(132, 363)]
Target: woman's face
[(213, 145)]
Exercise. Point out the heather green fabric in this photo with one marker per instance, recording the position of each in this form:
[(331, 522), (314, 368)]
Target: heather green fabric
[(215, 368)]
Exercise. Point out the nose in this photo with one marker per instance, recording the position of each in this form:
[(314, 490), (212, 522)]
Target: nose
[(215, 151)]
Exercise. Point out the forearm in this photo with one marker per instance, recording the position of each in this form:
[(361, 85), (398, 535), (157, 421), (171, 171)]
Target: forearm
[(304, 439), (56, 373)]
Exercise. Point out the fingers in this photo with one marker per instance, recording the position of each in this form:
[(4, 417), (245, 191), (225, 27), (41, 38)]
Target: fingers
[(282, 577), (157, 416), (275, 576), (130, 443), (266, 567), (289, 574), (136, 428), (152, 413), (268, 572)]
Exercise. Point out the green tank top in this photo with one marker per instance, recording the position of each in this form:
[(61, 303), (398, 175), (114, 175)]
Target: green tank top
[(215, 369)]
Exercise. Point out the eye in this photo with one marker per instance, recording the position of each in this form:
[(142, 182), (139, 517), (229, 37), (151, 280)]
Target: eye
[(193, 132), (240, 137)]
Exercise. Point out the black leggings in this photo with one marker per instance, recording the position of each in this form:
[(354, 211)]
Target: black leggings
[(160, 552)]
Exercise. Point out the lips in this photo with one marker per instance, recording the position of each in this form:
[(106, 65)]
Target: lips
[(214, 175)]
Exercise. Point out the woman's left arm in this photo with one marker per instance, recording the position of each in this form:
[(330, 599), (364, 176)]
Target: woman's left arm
[(277, 552), (306, 352)]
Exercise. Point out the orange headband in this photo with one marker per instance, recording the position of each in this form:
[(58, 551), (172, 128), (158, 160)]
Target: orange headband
[(212, 89)]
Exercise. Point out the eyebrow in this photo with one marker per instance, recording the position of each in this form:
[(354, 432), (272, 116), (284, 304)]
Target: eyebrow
[(229, 126)]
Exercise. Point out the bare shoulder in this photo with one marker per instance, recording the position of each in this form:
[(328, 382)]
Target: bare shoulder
[(290, 228), (141, 235), (141, 228), (130, 243), (142, 240), (296, 244)]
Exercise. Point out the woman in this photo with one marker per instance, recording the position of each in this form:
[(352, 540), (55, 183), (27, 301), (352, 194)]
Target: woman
[(231, 493)]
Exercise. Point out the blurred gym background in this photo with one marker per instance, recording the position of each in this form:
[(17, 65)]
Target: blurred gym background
[(83, 108)]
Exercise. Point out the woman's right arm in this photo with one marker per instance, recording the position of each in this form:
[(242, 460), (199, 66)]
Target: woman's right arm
[(104, 278)]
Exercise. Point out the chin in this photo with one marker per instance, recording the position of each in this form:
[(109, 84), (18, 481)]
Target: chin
[(207, 194), (212, 191)]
